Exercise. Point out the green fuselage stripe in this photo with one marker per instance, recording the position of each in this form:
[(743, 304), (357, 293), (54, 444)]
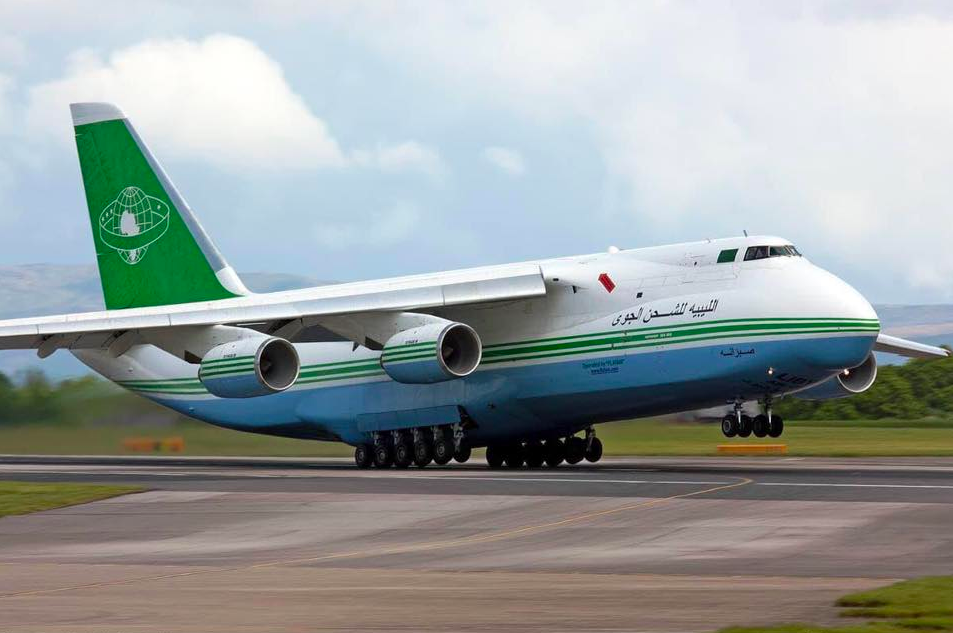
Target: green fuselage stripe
[(543, 351), (791, 321), (227, 361), (538, 349)]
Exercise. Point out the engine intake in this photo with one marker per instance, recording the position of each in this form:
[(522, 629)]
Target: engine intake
[(847, 383), (250, 367), (432, 353)]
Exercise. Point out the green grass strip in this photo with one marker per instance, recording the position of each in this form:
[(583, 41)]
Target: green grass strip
[(22, 498), (922, 604)]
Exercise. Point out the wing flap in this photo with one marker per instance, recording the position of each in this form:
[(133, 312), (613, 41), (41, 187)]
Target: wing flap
[(477, 285), (911, 349)]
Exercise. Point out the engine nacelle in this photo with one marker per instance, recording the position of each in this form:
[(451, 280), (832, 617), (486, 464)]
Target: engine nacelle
[(432, 353), (249, 367), (847, 383)]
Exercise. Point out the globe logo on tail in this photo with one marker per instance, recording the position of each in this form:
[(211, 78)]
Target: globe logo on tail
[(132, 222)]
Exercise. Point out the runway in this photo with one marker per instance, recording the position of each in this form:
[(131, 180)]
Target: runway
[(246, 544)]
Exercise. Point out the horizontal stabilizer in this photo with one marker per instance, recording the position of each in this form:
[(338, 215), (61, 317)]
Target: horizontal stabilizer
[(903, 347)]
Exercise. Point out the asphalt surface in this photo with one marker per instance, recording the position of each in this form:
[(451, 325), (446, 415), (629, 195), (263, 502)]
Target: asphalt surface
[(245, 544)]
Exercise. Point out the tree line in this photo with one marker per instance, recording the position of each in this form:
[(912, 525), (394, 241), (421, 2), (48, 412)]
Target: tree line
[(918, 388)]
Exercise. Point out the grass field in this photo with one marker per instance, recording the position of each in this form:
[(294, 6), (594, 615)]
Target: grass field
[(929, 437), (22, 498), (924, 604)]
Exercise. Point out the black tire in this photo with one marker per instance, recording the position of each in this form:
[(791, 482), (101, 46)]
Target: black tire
[(443, 450), (759, 426), (383, 456), (363, 456), (729, 425), (535, 454), (744, 428), (462, 454), (776, 428), (515, 456), (495, 455), (555, 452), (594, 452), (423, 453), (403, 454), (575, 450)]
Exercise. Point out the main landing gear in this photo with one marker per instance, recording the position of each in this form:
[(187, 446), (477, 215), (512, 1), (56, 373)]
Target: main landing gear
[(441, 444), (552, 452), (737, 423), (418, 446)]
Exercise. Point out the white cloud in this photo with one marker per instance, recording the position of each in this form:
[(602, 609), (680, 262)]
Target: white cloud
[(507, 160), (12, 51), (832, 125), (406, 156), (380, 228), (220, 100)]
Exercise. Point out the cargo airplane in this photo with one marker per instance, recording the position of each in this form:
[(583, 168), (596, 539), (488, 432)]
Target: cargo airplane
[(523, 359)]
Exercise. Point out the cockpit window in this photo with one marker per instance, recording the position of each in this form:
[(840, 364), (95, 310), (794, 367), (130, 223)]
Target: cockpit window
[(727, 255), (763, 252)]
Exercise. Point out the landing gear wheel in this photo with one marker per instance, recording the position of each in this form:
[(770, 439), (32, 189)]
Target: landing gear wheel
[(443, 450), (403, 454), (776, 428), (462, 454), (744, 429), (495, 455), (535, 454), (383, 456), (729, 425), (363, 456), (555, 452), (759, 426), (594, 451), (423, 454), (514, 456), (575, 450)]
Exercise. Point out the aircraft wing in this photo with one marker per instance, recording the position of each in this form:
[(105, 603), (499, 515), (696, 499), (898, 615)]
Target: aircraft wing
[(903, 347), (279, 310)]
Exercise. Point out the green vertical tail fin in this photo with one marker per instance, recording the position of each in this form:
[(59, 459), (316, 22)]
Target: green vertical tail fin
[(150, 248)]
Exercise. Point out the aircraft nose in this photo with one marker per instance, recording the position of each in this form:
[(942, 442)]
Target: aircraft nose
[(847, 323)]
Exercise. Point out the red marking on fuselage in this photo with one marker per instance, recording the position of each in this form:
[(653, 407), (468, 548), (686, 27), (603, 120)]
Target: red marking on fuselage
[(607, 282)]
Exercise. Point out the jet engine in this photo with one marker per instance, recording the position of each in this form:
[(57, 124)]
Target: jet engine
[(431, 353), (847, 383), (255, 366)]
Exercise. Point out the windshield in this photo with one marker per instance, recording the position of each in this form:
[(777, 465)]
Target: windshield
[(763, 252)]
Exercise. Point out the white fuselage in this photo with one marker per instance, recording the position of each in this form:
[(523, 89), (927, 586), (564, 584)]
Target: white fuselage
[(617, 335)]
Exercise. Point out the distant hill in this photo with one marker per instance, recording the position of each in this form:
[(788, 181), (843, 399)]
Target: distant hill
[(40, 289)]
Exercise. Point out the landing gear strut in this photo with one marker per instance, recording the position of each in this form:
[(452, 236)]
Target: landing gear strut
[(736, 423), (593, 446), (383, 452), (773, 424)]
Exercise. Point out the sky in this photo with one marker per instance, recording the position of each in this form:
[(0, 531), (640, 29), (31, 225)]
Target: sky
[(356, 140)]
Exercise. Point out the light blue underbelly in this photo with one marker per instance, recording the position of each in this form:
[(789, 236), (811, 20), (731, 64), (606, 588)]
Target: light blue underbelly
[(547, 398)]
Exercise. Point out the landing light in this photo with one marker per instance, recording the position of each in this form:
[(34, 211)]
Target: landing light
[(770, 371)]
